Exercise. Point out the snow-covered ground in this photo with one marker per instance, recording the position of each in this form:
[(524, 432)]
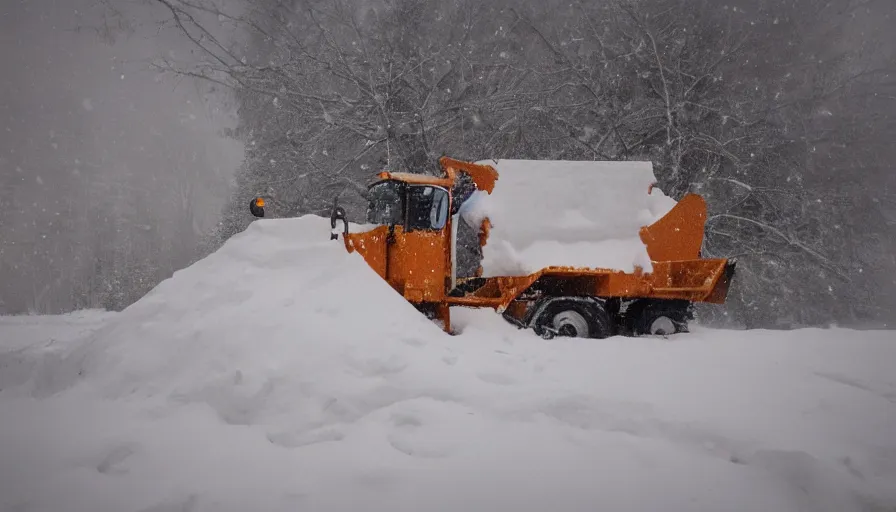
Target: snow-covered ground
[(280, 373)]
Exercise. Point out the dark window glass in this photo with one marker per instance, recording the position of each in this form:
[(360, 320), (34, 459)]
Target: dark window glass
[(385, 203), (428, 207)]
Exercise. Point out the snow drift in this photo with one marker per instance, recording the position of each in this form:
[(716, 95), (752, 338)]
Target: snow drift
[(280, 373), (566, 213)]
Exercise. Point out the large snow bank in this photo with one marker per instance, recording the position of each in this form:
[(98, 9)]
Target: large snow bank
[(23, 331), (280, 373), (28, 343), (566, 213)]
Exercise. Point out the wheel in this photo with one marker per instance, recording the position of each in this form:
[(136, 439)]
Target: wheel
[(659, 318), (572, 317)]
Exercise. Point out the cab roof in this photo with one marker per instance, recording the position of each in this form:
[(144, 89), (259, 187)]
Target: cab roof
[(416, 179)]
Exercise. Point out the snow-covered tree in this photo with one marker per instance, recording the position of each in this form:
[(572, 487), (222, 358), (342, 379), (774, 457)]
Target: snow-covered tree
[(779, 114)]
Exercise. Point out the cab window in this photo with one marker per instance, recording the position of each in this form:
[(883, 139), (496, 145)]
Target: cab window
[(427, 208), (386, 204)]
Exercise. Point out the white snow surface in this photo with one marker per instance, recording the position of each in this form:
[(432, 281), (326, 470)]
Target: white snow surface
[(566, 213), (281, 373)]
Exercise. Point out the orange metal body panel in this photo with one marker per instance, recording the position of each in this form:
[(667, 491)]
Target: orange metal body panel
[(679, 234), (692, 280), (371, 245), (415, 264), (419, 265), (484, 176), (416, 179)]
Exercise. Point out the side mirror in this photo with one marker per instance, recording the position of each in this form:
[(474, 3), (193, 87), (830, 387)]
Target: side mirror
[(256, 206), (337, 214)]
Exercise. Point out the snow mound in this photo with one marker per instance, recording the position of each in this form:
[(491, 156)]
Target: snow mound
[(281, 373), (21, 331), (277, 301), (567, 213)]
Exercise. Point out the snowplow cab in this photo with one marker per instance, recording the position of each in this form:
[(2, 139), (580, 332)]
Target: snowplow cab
[(414, 206), (409, 233)]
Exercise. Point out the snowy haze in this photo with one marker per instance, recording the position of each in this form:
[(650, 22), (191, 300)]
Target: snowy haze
[(104, 169), (112, 177), (260, 366)]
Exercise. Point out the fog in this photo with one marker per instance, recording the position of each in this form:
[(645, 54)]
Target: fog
[(114, 175), (105, 168)]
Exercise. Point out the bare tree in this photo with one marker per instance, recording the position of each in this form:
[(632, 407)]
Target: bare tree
[(735, 105), (337, 91), (751, 104)]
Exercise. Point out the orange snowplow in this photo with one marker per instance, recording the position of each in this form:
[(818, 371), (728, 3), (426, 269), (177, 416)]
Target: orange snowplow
[(412, 244)]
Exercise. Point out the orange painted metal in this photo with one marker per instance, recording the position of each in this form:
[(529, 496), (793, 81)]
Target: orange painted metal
[(679, 234), (415, 264), (418, 264), (371, 245), (416, 179), (692, 280), (443, 314), (484, 176)]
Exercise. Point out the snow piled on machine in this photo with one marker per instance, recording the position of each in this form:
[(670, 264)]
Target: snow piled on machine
[(281, 373), (566, 213)]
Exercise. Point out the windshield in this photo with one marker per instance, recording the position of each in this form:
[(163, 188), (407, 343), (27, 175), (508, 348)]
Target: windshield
[(428, 207), (386, 204)]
